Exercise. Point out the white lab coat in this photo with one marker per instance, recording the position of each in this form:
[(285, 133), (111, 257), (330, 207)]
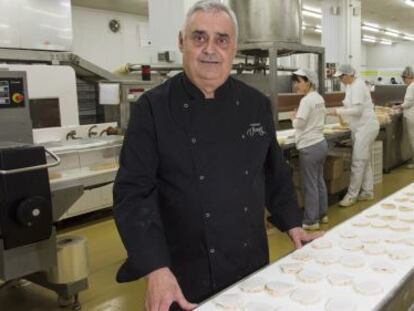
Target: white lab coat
[(359, 112), (408, 112)]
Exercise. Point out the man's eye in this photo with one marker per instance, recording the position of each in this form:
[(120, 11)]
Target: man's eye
[(222, 41), (199, 38)]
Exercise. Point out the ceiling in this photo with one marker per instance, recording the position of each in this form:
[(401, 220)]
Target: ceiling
[(387, 13)]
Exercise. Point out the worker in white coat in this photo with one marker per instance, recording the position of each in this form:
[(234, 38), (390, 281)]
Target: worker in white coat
[(358, 111), (308, 122), (408, 107)]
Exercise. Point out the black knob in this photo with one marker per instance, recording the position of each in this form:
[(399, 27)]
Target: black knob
[(31, 211)]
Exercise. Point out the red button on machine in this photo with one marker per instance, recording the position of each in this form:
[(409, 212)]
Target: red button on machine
[(17, 98)]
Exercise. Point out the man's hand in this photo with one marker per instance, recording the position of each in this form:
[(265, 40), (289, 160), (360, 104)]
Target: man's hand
[(298, 235), (163, 290)]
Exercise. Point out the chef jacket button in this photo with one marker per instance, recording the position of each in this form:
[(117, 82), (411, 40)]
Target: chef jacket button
[(207, 215), (212, 250), (237, 103), (245, 244), (246, 209), (186, 106), (193, 140), (202, 177), (246, 172), (243, 136)]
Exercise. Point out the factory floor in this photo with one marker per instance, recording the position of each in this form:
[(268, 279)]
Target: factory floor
[(107, 253)]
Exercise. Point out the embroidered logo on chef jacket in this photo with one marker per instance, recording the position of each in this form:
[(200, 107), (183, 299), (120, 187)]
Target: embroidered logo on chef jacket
[(256, 129)]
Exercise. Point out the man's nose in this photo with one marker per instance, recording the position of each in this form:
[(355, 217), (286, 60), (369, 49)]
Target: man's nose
[(210, 47)]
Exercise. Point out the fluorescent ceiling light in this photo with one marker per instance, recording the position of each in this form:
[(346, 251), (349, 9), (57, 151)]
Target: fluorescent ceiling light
[(386, 42), (369, 40), (408, 38), (318, 30), (4, 26), (44, 12), (369, 28), (372, 25), (303, 27), (319, 26), (312, 9), (409, 2), (370, 37), (392, 34), (312, 14)]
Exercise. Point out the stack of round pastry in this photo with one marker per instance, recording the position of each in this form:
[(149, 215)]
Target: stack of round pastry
[(407, 217), (310, 276), (351, 245), (360, 222), (368, 288), (378, 223), (383, 266), (398, 253), (371, 214), (302, 255), (326, 258), (388, 206), (339, 279), (374, 249), (347, 234), (321, 243), (405, 208), (279, 288), (369, 238), (399, 226), (291, 268), (229, 301), (409, 241), (253, 285)]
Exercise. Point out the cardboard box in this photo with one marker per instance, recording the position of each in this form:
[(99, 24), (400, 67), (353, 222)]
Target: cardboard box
[(334, 167), (338, 184)]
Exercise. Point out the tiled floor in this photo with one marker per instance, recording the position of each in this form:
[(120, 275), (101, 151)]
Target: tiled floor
[(106, 254)]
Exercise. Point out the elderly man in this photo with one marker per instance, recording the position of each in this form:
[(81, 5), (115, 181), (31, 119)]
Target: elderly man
[(199, 164)]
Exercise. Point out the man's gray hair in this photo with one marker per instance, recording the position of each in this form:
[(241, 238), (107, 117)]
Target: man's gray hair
[(212, 5), (408, 72)]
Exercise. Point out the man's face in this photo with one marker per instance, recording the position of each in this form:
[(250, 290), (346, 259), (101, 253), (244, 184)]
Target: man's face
[(208, 45), (346, 79)]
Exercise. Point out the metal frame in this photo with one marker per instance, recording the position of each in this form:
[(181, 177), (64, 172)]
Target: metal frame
[(273, 50)]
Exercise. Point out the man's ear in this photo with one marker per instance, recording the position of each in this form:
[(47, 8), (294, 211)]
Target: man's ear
[(180, 41)]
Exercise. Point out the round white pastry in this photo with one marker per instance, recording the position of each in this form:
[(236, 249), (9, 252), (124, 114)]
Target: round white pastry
[(383, 266), (352, 261), (401, 199), (321, 243), (302, 255), (378, 223), (291, 268), (351, 245), (310, 276), (347, 234), (371, 214), (326, 258), (406, 218), (229, 301), (388, 215), (368, 288), (253, 285), (306, 296), (258, 306), (360, 222), (279, 288), (405, 208), (399, 226), (394, 238), (369, 238), (409, 194), (409, 241), (388, 206), (374, 249), (339, 279), (399, 253), (340, 304)]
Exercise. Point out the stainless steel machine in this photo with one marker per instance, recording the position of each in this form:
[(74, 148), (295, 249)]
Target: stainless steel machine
[(29, 207)]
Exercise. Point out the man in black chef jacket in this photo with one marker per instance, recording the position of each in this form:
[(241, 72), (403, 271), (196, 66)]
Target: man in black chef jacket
[(199, 163)]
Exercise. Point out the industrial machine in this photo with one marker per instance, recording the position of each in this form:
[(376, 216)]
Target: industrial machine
[(29, 206)]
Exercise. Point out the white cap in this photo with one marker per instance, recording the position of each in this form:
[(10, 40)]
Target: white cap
[(345, 69), (311, 75), (408, 72)]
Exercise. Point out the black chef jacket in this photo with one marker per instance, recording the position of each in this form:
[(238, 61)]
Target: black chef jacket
[(195, 176)]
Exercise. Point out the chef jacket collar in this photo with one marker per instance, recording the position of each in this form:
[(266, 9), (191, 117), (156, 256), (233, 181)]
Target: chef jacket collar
[(196, 94)]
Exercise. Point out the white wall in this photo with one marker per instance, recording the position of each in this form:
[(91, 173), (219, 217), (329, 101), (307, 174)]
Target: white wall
[(398, 55), (93, 40)]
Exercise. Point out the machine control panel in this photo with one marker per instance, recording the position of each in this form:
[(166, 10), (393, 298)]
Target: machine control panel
[(12, 92)]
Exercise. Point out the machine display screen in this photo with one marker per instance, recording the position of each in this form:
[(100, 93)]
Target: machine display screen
[(12, 93), (4, 93)]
